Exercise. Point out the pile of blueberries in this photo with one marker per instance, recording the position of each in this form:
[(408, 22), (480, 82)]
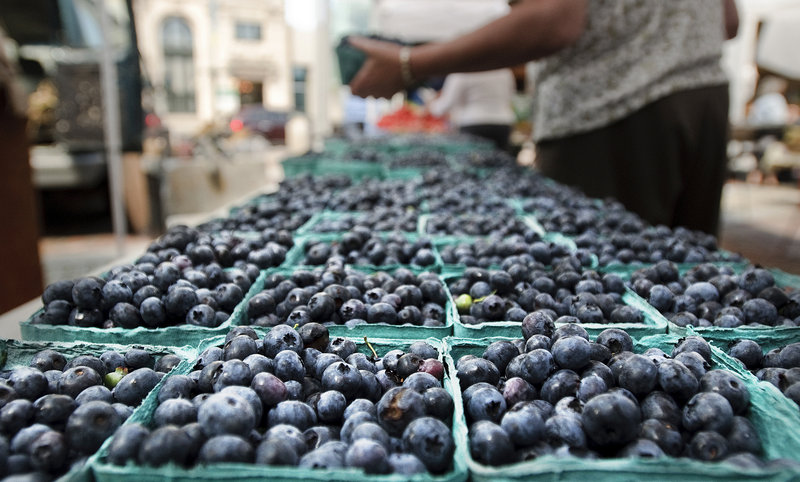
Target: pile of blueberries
[(711, 295), (382, 219), (297, 199), (300, 398), (186, 277), (362, 246), (779, 366), (372, 194), (56, 412), (555, 392), (342, 295), (527, 250), (566, 294)]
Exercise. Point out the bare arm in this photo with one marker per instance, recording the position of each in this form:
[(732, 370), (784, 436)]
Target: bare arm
[(731, 18), (533, 29)]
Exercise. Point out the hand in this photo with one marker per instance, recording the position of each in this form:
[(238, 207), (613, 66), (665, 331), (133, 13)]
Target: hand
[(380, 75)]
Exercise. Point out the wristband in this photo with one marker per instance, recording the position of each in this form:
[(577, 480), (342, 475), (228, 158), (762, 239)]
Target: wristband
[(405, 66)]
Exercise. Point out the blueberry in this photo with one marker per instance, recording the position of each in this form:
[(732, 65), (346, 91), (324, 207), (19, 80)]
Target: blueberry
[(290, 434), (153, 312), (743, 436), (226, 449), (87, 293), (330, 455), (563, 383), (282, 337), (663, 433), (229, 295), (708, 446), (694, 362), (431, 441), (615, 340), (565, 430), (611, 419), (500, 353), (89, 425), (729, 386), (571, 352), (166, 363), (343, 377), (398, 407), (754, 280), (58, 290), (175, 411), (677, 380), (707, 411), (125, 444), (53, 409), (232, 372), (642, 448), (134, 386), (167, 444), (760, 311), (86, 318), (405, 464), (534, 367), (537, 341), (748, 352), (276, 451), (341, 346), (292, 412), (524, 424), (49, 451), (589, 387), (477, 370), (95, 392), (74, 380), (28, 382), (489, 444), (693, 344), (538, 323), (485, 404), (331, 406), (136, 358)]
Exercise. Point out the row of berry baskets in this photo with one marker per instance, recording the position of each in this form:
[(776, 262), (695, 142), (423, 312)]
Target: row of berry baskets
[(431, 409), (547, 344)]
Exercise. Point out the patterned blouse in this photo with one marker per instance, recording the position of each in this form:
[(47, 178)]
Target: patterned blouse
[(632, 53)]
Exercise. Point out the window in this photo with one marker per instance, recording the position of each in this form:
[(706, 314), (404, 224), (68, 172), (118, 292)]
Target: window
[(248, 31), (299, 74), (178, 65)]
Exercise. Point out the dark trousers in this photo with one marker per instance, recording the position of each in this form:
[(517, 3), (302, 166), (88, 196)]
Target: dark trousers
[(497, 133), (666, 162)]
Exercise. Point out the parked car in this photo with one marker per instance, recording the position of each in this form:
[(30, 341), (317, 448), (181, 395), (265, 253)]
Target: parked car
[(258, 119)]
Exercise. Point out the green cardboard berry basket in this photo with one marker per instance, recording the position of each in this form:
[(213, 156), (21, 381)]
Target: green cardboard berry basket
[(15, 353), (179, 335), (374, 330), (653, 324), (755, 333), (322, 217), (775, 417), (295, 257), (103, 471), (529, 221)]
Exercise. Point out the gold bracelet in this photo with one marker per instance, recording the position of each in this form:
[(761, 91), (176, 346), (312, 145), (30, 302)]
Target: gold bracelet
[(405, 66)]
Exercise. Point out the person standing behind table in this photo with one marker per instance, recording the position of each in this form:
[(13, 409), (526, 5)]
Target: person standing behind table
[(631, 101), (478, 104)]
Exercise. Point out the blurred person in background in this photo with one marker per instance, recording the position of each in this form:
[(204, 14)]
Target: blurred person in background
[(21, 278), (631, 101), (478, 104)]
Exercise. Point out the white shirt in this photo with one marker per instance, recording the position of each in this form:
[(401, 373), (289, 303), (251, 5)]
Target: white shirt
[(476, 98)]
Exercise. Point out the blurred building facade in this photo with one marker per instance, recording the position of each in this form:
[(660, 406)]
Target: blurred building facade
[(207, 58)]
